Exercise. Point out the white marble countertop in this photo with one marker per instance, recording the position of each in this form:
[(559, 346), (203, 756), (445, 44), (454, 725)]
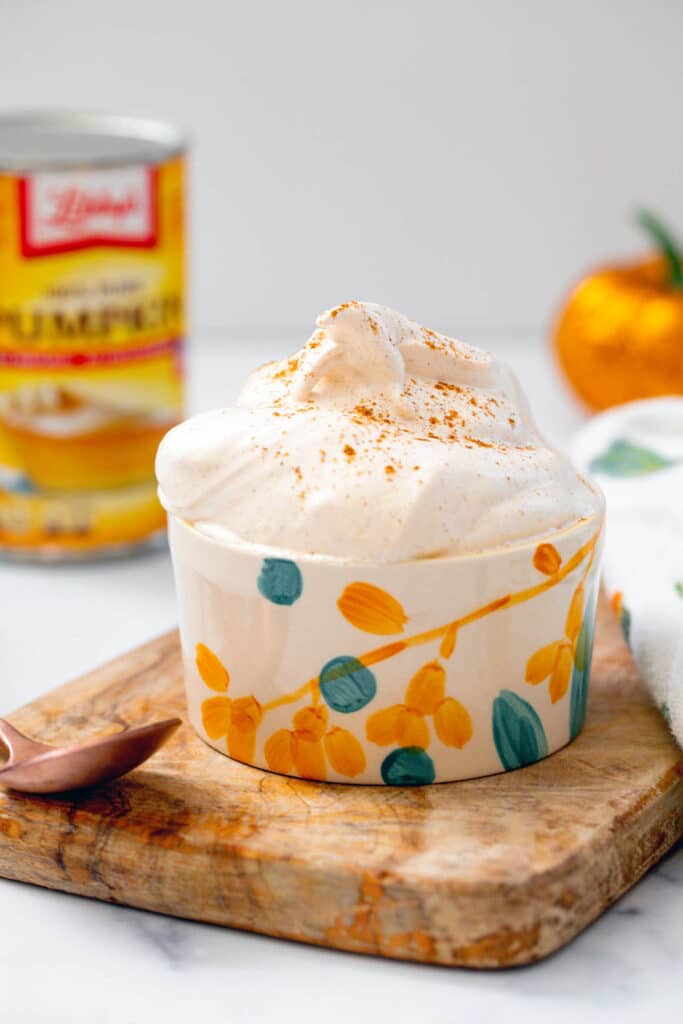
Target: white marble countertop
[(68, 959)]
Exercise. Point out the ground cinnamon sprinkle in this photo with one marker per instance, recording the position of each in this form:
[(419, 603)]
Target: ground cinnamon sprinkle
[(291, 367), (432, 340), (367, 413), (480, 444), (442, 417), (363, 410)]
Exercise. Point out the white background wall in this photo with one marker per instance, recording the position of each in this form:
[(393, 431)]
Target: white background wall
[(463, 161)]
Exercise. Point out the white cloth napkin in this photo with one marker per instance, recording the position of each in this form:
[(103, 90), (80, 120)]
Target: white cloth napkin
[(635, 453)]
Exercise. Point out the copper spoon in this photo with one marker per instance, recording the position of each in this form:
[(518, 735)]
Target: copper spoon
[(34, 767)]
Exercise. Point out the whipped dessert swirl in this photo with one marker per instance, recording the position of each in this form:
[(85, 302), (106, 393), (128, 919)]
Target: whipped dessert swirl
[(379, 441)]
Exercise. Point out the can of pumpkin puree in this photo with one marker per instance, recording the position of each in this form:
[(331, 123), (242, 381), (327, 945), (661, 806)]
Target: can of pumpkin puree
[(91, 329)]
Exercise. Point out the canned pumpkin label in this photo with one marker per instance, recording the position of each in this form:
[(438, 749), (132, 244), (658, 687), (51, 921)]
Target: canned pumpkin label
[(91, 334)]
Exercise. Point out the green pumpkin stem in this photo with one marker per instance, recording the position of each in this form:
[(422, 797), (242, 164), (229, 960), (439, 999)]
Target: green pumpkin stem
[(666, 245)]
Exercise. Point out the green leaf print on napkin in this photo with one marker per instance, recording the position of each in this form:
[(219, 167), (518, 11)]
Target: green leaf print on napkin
[(625, 459), (678, 587)]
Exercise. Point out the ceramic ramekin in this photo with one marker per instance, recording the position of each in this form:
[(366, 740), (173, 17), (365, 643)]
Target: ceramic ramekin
[(399, 674)]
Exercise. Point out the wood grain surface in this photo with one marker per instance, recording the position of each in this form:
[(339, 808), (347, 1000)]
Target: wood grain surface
[(488, 873)]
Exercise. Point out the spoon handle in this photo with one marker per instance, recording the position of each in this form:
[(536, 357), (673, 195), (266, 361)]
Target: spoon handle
[(15, 744)]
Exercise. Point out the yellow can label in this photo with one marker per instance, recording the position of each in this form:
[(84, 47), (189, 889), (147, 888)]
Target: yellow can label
[(91, 340)]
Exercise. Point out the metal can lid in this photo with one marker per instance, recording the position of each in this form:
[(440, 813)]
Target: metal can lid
[(50, 140)]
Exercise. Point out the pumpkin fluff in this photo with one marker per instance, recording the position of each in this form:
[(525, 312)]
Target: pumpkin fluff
[(380, 440)]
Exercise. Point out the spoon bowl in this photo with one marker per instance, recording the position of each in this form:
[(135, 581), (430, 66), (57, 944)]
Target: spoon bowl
[(34, 767)]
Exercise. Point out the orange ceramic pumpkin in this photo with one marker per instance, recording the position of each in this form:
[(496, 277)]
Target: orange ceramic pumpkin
[(620, 335)]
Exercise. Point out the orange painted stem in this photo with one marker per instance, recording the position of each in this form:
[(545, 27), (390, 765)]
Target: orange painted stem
[(379, 654)]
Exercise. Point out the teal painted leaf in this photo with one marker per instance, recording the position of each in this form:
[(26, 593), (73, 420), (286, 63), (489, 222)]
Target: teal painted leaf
[(666, 711), (578, 697), (625, 623), (517, 731), (408, 766), (346, 684), (625, 459), (280, 581), (583, 652)]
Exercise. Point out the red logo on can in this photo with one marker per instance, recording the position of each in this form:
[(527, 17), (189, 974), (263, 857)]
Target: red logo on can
[(60, 211)]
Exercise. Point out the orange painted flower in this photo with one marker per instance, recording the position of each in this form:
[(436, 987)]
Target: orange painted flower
[(344, 753), (216, 717), (547, 559), (555, 661), (448, 643), (372, 609), (427, 688), (309, 745), (453, 723), (279, 751), (211, 669), (237, 720), (425, 696)]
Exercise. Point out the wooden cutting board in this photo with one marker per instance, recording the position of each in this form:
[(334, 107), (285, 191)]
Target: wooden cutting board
[(489, 873)]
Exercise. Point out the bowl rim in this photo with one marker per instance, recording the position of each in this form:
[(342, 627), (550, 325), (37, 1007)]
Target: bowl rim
[(261, 551)]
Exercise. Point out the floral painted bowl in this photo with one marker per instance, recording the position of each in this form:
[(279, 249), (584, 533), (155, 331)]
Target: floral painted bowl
[(397, 674)]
